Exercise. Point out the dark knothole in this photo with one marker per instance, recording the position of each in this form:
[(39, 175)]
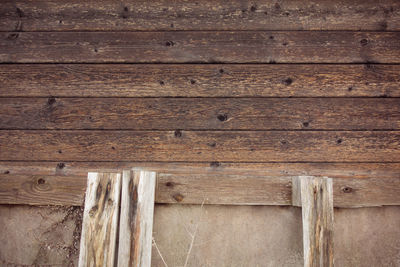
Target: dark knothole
[(222, 117)]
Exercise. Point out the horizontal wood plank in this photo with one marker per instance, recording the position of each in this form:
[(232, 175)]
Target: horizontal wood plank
[(108, 15), (200, 114), (335, 170), (236, 146), (200, 47), (210, 187), (197, 80), (42, 190)]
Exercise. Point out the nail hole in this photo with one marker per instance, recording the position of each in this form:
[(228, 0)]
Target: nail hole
[(287, 14), (7, 172), (172, 25), (60, 151), (265, 13), (13, 36), (113, 148), (96, 50), (126, 9), (178, 133), (60, 21), (339, 141), (221, 71), (213, 144), (306, 124), (169, 43), (61, 165), (277, 6), (162, 83), (222, 117), (19, 12), (272, 61), (347, 189), (253, 8), (383, 95), (51, 100), (192, 81), (271, 37), (364, 42), (41, 181), (288, 81), (169, 184), (350, 88), (285, 43), (215, 164)]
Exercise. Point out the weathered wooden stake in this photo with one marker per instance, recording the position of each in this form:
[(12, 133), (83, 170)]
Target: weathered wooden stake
[(100, 220), (314, 195), (136, 219)]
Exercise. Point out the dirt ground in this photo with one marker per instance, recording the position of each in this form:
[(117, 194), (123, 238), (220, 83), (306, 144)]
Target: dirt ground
[(206, 236)]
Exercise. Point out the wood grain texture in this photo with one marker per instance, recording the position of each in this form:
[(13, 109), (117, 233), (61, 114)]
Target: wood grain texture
[(200, 47), (108, 15), (217, 80), (200, 114), (213, 187), (230, 146), (100, 220), (42, 189), (336, 170), (136, 218), (317, 212)]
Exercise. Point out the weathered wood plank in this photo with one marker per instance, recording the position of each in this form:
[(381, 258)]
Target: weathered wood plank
[(108, 15), (136, 219), (241, 187), (317, 210), (334, 170), (206, 146), (100, 220), (42, 189), (200, 114), (176, 80), (223, 189), (200, 47)]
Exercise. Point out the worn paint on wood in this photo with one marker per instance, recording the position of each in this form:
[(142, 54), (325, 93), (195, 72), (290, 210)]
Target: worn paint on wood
[(100, 220), (136, 219), (197, 80), (166, 15), (316, 199), (201, 114), (200, 47), (206, 146)]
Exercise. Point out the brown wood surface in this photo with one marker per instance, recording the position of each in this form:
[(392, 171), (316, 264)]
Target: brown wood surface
[(239, 146), (212, 187), (336, 170), (201, 47), (108, 15), (217, 80), (200, 114), (42, 189)]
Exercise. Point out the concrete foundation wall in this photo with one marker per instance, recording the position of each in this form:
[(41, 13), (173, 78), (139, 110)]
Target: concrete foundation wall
[(221, 235)]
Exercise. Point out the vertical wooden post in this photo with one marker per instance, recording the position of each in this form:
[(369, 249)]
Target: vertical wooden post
[(136, 219), (100, 220), (315, 196)]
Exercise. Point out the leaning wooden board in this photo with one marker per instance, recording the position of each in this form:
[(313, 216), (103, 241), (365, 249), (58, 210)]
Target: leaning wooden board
[(108, 15), (200, 47), (199, 80), (239, 146)]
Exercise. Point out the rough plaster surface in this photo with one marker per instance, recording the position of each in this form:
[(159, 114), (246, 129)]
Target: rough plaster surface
[(225, 236)]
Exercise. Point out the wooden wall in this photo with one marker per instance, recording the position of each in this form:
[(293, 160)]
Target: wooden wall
[(286, 87)]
